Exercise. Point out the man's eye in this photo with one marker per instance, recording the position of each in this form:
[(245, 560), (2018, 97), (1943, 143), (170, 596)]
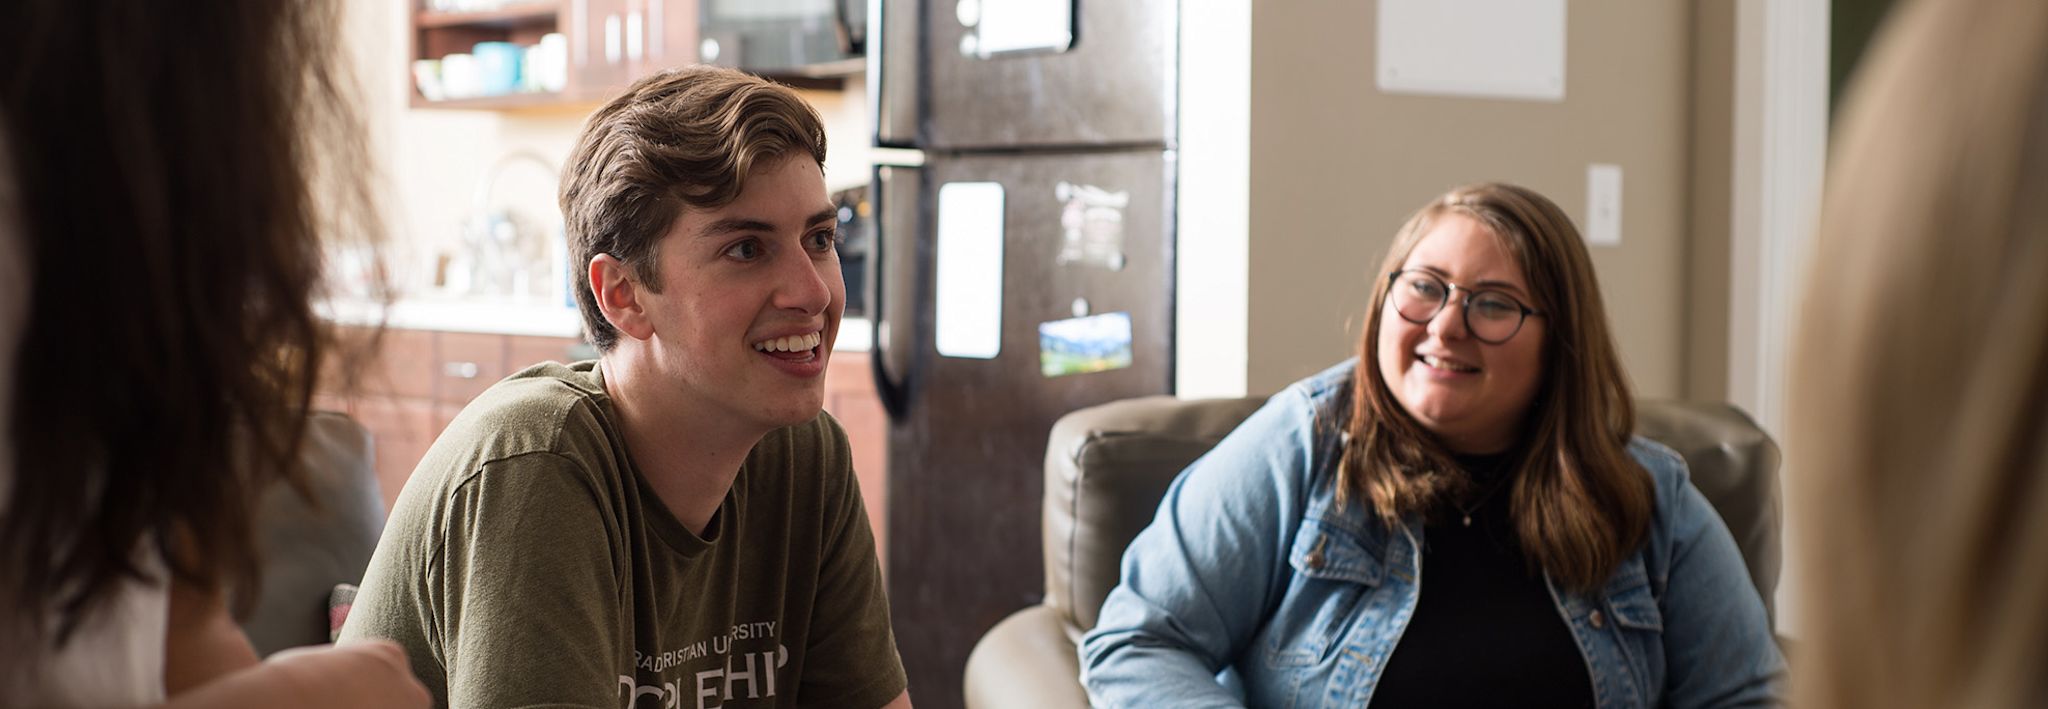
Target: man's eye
[(824, 240), (745, 251)]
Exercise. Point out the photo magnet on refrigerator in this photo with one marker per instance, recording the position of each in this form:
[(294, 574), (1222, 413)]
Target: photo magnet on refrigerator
[(1092, 223)]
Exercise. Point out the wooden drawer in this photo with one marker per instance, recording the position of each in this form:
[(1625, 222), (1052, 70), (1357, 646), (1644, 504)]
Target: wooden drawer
[(522, 351), (468, 364), (400, 364)]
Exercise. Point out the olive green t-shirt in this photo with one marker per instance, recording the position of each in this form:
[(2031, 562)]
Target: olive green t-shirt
[(527, 563)]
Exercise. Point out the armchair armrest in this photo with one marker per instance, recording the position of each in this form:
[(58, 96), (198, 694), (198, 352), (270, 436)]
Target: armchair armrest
[(1026, 662)]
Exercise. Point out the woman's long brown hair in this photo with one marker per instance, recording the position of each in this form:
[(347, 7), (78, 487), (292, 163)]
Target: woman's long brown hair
[(177, 165), (1580, 504)]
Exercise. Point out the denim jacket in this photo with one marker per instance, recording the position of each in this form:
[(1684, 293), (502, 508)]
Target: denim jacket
[(1253, 587)]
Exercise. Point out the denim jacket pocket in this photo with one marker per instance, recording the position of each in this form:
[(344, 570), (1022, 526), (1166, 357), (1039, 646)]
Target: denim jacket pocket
[(1335, 576), (1638, 632), (1631, 601)]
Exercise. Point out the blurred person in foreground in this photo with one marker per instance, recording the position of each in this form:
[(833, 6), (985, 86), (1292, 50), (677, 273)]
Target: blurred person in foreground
[(1460, 516), (159, 241), (1918, 432)]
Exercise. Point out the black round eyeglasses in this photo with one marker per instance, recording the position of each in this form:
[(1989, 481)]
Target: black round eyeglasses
[(1493, 317)]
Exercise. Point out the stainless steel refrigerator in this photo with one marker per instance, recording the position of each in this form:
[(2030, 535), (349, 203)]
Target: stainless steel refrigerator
[(1023, 270)]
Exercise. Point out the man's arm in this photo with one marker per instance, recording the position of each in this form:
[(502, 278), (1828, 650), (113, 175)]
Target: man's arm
[(528, 596), (502, 590)]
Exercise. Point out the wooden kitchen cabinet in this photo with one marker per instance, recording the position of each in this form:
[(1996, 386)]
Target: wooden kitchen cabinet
[(850, 397), (419, 380), (401, 430), (468, 364), (610, 43)]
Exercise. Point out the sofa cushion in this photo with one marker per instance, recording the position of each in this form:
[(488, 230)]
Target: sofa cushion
[(1735, 465), (1106, 468)]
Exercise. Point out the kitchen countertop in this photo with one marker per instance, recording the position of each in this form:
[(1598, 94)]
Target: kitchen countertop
[(464, 315)]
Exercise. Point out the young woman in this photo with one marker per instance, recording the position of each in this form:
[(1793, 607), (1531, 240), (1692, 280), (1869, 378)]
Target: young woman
[(168, 169), (1458, 517)]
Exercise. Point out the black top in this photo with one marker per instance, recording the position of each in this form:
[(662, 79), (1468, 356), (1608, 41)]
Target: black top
[(1486, 632)]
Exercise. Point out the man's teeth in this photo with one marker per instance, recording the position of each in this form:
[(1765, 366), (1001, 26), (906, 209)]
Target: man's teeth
[(1446, 365), (793, 343)]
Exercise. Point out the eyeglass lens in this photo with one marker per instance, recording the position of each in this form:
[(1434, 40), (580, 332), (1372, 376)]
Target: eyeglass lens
[(1490, 316)]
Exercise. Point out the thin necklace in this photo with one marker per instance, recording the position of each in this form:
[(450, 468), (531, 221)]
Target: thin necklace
[(1476, 504)]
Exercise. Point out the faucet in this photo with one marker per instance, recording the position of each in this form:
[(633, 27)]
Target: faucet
[(505, 253)]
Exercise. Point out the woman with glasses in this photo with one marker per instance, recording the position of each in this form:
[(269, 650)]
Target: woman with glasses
[(1458, 517)]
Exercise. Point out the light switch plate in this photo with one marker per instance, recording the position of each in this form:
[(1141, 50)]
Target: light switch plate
[(1603, 205)]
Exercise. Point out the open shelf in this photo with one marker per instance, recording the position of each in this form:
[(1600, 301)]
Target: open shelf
[(538, 99), (530, 13)]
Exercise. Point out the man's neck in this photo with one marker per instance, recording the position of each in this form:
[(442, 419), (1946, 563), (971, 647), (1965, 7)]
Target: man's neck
[(690, 457)]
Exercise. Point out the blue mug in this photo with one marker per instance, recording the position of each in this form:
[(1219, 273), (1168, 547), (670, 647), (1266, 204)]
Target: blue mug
[(498, 64)]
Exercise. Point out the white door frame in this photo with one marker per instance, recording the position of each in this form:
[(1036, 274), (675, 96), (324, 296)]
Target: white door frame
[(1780, 146)]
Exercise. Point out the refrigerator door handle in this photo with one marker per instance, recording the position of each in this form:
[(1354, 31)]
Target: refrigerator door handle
[(895, 193), (894, 70), (850, 42)]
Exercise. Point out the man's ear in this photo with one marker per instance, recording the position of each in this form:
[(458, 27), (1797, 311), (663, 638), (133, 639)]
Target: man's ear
[(618, 292)]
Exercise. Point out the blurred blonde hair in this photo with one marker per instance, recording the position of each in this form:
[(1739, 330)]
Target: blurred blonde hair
[(1919, 420)]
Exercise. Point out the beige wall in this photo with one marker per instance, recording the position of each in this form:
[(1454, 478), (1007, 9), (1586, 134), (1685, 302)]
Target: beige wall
[(1336, 166), (1713, 154)]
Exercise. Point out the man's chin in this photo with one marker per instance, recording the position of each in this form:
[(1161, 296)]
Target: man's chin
[(782, 417)]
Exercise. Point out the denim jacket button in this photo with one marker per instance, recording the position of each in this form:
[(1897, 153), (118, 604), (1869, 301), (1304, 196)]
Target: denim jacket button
[(1315, 556), (1598, 620)]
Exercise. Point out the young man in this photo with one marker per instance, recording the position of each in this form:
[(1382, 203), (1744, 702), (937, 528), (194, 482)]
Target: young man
[(677, 523)]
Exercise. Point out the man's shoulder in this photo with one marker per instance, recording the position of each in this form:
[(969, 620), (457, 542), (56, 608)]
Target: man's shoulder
[(533, 410), (547, 411)]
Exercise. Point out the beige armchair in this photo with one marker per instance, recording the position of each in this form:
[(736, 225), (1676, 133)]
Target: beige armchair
[(1106, 468), (309, 547)]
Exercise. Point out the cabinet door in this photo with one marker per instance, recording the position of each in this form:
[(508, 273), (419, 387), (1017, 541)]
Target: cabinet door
[(391, 362), (469, 364), (401, 431), (850, 398), (1111, 78), (671, 34), (522, 351), (598, 64)]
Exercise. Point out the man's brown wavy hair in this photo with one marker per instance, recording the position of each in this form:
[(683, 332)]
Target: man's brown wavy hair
[(1579, 502), (683, 138)]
